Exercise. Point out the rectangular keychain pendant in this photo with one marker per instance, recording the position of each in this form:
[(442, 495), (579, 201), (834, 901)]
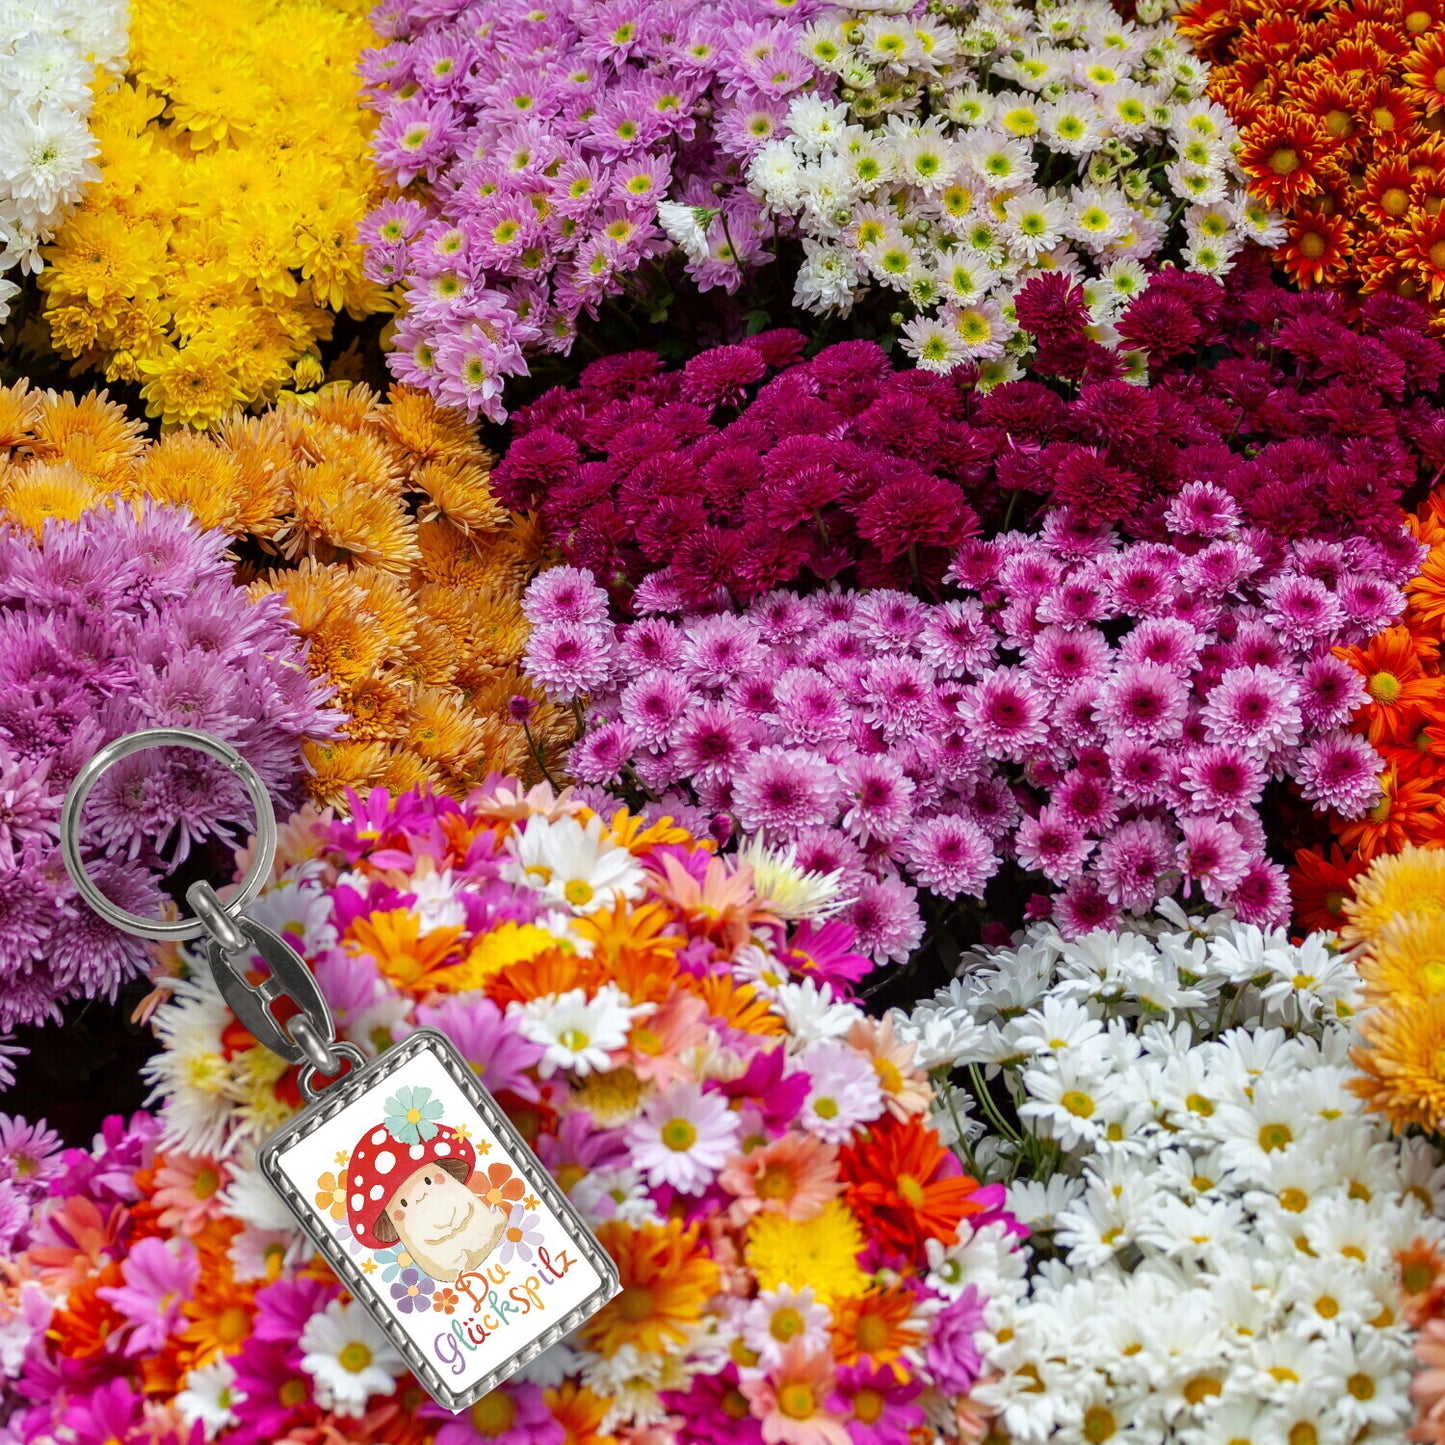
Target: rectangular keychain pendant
[(450, 1232)]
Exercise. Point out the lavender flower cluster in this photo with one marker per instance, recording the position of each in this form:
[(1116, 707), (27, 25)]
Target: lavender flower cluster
[(126, 619), (1105, 714), (552, 140)]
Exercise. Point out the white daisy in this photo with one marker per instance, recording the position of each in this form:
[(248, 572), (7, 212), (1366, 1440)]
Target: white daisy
[(344, 1350), (576, 1032)]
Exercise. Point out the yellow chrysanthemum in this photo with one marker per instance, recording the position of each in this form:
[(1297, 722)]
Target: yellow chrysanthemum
[(31, 496), (234, 171), (1402, 1062), (1406, 960), (821, 1252), (1407, 882)]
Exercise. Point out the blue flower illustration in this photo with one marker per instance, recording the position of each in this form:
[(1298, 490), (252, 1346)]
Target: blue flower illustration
[(411, 1115), (393, 1261), (412, 1292)]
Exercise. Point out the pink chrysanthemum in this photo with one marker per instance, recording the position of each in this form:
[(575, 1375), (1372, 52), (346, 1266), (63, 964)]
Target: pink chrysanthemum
[(951, 856), (781, 790)]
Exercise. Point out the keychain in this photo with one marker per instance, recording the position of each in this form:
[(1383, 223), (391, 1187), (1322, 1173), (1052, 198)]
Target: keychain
[(432, 1165)]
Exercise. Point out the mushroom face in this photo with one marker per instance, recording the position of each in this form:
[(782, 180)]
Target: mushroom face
[(445, 1228)]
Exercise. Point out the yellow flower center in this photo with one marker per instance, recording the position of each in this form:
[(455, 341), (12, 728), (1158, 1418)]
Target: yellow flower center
[(1385, 687), (1077, 1103), (634, 1304), (1201, 1388), (1361, 1386), (735, 1405), (1198, 1104), (207, 1182), (1274, 1136), (232, 1325), (354, 1356), (493, 1414), (1327, 1306), (1312, 245), (578, 892), (679, 1134), (911, 1190), (872, 1333), (293, 1392), (826, 1108), (786, 1323), (1099, 1424), (1303, 1433), (796, 1401), (1284, 161), (574, 1040), (776, 1182), (867, 1406), (1294, 1200)]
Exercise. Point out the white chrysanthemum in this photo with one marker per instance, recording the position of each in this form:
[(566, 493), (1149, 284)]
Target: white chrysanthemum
[(191, 1075), (344, 1350), (48, 59), (686, 227), (827, 280)]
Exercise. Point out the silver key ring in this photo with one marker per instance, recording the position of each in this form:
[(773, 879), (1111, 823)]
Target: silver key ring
[(112, 753)]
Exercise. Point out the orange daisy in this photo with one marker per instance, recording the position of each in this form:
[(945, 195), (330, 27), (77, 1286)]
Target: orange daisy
[(1396, 681), (1318, 248), (580, 1413), (879, 1325), (904, 1185), (1409, 811)]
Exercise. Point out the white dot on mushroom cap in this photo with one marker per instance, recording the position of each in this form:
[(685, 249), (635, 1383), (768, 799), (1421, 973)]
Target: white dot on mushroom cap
[(379, 1137), (417, 1150), (376, 1191), (357, 1201), (357, 1180), (443, 1149), (385, 1162)]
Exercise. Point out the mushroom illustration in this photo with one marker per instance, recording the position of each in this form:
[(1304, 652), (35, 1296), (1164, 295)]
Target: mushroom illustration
[(408, 1184)]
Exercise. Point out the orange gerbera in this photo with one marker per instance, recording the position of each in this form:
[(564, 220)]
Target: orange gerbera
[(580, 1414), (878, 1325), (1408, 812), (1399, 689), (1321, 886), (735, 1006), (666, 1281), (903, 1185), (394, 940), (1287, 155)]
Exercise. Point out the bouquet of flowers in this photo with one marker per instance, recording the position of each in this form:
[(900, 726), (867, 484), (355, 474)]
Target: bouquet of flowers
[(1336, 108), (374, 521), (52, 58), (211, 258), (972, 147), (1224, 1243), (550, 142), (672, 1031)]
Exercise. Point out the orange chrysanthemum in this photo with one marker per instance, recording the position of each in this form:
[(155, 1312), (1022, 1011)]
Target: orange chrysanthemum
[(666, 1281), (878, 1326), (902, 1186), (1287, 155), (1338, 105)]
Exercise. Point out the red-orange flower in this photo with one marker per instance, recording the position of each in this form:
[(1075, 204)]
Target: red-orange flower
[(1317, 251), (1320, 886), (1286, 155), (1423, 75), (903, 1184), (1408, 812), (1400, 692)]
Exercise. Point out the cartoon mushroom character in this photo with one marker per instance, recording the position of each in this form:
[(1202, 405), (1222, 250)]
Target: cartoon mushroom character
[(408, 1184)]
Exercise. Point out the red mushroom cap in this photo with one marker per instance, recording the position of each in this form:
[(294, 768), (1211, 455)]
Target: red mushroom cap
[(380, 1162)]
